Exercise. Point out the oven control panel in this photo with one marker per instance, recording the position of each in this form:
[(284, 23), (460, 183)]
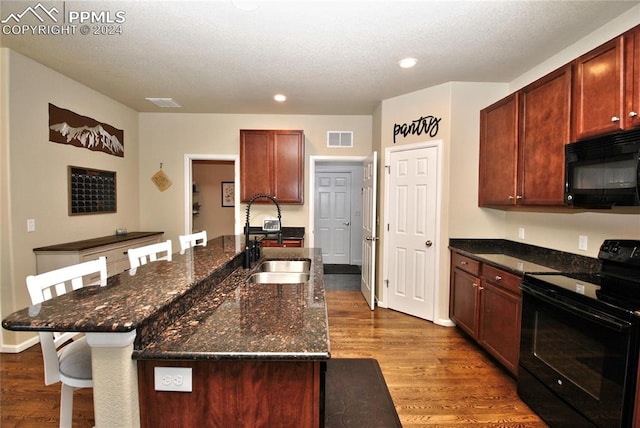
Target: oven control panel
[(626, 251)]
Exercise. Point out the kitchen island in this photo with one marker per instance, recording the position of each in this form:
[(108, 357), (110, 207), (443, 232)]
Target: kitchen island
[(197, 309)]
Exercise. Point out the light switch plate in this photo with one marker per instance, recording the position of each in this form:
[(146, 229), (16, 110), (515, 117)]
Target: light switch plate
[(521, 232), (31, 225), (582, 243), (172, 379)]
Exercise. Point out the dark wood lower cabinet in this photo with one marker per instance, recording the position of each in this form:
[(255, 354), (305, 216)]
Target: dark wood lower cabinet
[(500, 325), (486, 303), (464, 301), (234, 394)]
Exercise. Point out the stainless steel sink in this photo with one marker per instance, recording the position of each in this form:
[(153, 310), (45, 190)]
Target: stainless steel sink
[(302, 266), (278, 278)]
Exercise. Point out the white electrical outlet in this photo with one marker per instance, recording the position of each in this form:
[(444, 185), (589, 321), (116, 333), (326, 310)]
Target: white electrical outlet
[(582, 242), (31, 225), (521, 232), (172, 379)]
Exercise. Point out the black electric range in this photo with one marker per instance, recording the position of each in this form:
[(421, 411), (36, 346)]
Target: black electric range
[(615, 289), (580, 341)]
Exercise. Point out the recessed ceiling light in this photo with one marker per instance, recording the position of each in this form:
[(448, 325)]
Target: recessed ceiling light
[(164, 102), (280, 98), (408, 62)]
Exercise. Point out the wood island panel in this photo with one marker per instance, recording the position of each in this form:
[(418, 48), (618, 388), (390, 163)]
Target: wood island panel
[(234, 394)]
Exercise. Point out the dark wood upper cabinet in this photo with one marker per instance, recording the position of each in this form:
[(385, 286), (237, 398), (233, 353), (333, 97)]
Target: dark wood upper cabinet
[(545, 117), (272, 162), (632, 78), (522, 140), (598, 91), (522, 136), (498, 160)]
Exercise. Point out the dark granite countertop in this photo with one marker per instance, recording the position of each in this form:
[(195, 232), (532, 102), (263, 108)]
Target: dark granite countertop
[(96, 242), (198, 306), (520, 258)]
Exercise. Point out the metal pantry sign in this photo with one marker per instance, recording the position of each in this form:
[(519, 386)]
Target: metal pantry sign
[(428, 125)]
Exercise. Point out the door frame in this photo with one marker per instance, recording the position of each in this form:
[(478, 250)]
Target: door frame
[(188, 179), (438, 144), (310, 235)]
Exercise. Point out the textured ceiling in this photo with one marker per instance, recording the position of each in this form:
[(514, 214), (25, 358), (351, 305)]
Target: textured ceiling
[(327, 57)]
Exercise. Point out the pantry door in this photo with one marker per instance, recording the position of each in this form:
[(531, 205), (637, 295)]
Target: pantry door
[(411, 238), (369, 231)]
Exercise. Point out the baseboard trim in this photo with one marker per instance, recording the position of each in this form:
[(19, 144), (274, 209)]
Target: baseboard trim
[(445, 322), (16, 349)]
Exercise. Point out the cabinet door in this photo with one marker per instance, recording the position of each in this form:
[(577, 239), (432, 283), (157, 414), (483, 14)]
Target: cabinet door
[(288, 166), (545, 115), (500, 309), (598, 91), (255, 164), (464, 301), (632, 76), (498, 150), (500, 324)]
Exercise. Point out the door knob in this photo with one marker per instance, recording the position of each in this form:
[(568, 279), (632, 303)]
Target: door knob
[(347, 223), (428, 243)]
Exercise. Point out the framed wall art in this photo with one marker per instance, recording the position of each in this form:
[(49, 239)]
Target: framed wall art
[(228, 193), (91, 191)]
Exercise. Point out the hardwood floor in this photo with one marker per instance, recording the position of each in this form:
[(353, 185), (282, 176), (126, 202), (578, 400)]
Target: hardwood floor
[(25, 401), (436, 377)]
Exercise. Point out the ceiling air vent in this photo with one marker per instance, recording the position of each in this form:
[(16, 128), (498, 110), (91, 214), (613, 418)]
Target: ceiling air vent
[(340, 139)]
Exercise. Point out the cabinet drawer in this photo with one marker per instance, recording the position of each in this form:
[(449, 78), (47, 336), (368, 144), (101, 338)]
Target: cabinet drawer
[(285, 243), (112, 254), (465, 263), (503, 279)]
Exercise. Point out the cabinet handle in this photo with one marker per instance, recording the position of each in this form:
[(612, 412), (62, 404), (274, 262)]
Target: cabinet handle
[(463, 263), (519, 197), (475, 284), (480, 288), (498, 277), (615, 119), (632, 114), (510, 197)]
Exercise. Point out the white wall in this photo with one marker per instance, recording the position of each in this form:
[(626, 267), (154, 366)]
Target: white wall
[(165, 138), (36, 180)]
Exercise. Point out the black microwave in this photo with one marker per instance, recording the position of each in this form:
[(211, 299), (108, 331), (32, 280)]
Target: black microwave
[(603, 172)]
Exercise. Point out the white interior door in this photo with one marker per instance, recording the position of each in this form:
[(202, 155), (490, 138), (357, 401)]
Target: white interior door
[(412, 194), (333, 216), (369, 232)]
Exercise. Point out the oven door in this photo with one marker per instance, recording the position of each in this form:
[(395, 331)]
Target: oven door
[(580, 359)]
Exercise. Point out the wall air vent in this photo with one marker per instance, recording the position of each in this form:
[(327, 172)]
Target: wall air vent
[(164, 102), (340, 139)]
